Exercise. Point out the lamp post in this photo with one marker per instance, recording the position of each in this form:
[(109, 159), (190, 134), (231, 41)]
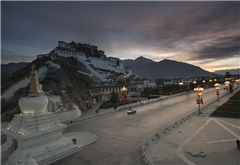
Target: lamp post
[(210, 81), (237, 82), (194, 82), (180, 85), (204, 83), (198, 91), (227, 85), (124, 90), (217, 89), (160, 90)]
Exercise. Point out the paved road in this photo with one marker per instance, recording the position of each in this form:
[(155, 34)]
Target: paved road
[(120, 136)]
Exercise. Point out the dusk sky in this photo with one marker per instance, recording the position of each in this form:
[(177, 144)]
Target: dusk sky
[(204, 34)]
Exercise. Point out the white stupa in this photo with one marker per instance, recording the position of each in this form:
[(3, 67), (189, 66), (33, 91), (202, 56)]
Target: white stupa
[(35, 135)]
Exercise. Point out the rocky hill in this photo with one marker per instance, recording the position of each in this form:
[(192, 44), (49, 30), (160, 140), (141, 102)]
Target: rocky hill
[(164, 69), (56, 74)]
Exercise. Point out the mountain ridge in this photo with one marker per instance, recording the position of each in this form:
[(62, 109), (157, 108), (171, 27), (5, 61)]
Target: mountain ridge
[(164, 69), (12, 67)]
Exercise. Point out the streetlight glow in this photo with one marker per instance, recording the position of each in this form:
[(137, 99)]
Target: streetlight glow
[(194, 82), (217, 89), (217, 86), (124, 90), (199, 91), (227, 85), (180, 85)]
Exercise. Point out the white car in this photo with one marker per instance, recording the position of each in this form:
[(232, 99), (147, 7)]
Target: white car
[(132, 111)]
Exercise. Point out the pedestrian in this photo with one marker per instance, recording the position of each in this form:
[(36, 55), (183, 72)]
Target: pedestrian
[(98, 110), (238, 143)]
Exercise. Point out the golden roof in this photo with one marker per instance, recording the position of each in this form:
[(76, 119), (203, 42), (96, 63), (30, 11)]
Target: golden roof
[(34, 81)]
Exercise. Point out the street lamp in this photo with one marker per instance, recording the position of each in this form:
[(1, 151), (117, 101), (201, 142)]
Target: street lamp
[(210, 81), (160, 90), (217, 89), (198, 91), (180, 85), (233, 82), (204, 83), (227, 85), (124, 90), (194, 82), (237, 82)]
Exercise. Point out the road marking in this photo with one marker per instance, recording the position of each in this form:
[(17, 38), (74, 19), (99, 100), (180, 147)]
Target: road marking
[(227, 129), (180, 148), (219, 141), (228, 123)]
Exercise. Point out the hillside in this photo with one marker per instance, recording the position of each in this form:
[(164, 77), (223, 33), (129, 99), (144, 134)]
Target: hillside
[(164, 69), (56, 74)]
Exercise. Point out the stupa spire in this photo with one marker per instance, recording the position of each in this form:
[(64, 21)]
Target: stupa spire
[(34, 81)]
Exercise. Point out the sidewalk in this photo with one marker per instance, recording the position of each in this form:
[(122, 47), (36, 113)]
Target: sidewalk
[(199, 140)]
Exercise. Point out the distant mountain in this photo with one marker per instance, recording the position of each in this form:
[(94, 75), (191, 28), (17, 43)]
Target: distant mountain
[(164, 69), (231, 71), (135, 64), (10, 68)]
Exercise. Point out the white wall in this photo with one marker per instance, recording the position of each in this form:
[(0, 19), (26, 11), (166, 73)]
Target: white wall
[(68, 115)]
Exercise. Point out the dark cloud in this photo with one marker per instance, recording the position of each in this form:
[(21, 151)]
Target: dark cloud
[(221, 48), (208, 24), (200, 30)]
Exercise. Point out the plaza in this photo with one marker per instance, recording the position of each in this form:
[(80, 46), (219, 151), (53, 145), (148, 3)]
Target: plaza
[(120, 136)]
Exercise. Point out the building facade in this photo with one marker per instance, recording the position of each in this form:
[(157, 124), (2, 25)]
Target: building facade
[(104, 92)]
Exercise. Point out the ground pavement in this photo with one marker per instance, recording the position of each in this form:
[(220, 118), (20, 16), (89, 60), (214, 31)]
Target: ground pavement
[(200, 140), (91, 113)]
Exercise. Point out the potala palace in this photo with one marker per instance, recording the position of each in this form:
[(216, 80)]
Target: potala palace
[(94, 60)]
